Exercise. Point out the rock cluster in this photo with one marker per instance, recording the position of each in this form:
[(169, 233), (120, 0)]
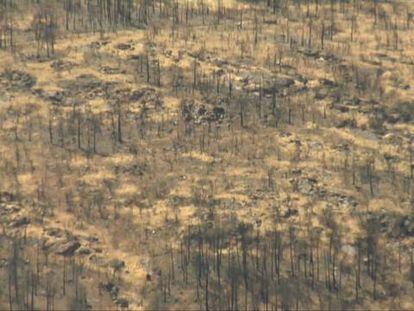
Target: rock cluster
[(192, 111), (16, 80)]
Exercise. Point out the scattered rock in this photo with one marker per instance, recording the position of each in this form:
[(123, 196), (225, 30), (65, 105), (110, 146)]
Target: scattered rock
[(84, 251), (145, 95), (122, 302), (9, 208), (392, 138), (404, 111), (352, 102), (406, 225), (111, 70), (19, 222), (92, 239), (124, 46), (98, 260), (315, 145), (346, 123), (4, 263), (328, 83), (135, 57), (290, 212), (220, 62), (6, 197), (98, 44), (111, 288), (54, 232), (56, 96), (268, 84), (307, 185), (321, 93), (393, 224), (340, 108), (117, 264), (67, 248), (218, 113), (349, 250), (341, 147), (60, 65)]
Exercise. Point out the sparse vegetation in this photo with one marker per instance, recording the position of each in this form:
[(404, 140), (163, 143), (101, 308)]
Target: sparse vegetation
[(206, 154)]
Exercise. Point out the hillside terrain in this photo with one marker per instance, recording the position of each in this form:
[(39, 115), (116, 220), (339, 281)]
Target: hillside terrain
[(206, 154)]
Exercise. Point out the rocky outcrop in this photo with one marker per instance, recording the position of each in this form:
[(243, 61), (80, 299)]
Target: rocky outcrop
[(67, 248)]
